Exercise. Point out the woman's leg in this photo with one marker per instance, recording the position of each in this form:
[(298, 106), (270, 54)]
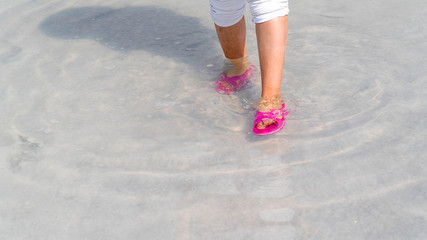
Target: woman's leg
[(233, 44), (271, 39), (228, 16)]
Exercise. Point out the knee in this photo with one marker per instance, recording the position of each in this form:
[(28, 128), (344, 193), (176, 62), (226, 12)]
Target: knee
[(265, 10)]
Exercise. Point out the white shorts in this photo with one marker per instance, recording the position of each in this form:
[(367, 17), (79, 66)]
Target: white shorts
[(226, 13)]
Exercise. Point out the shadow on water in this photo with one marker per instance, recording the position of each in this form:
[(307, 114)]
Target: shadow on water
[(155, 30)]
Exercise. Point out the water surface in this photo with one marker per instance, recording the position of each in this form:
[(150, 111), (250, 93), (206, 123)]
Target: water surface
[(110, 127)]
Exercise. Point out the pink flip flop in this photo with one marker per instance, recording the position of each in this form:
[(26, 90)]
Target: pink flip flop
[(277, 115), (236, 81)]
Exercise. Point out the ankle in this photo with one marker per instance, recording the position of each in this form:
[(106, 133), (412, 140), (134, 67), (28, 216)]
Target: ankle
[(266, 103), (240, 65)]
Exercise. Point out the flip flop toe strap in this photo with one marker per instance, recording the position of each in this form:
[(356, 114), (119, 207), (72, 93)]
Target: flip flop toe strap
[(275, 114), (265, 116), (236, 81)]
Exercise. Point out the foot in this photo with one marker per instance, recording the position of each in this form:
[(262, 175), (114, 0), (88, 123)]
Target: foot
[(232, 73), (236, 71), (265, 105), (234, 80), (270, 118), (240, 66)]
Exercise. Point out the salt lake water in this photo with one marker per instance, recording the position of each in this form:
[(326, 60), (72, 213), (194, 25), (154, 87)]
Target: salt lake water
[(111, 128)]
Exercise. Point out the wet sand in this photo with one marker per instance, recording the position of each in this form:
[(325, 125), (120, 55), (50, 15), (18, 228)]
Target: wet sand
[(110, 127)]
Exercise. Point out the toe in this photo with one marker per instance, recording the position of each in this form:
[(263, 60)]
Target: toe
[(260, 125), (263, 124), (227, 86)]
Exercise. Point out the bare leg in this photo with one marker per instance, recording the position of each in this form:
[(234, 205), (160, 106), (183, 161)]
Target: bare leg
[(271, 38), (233, 43)]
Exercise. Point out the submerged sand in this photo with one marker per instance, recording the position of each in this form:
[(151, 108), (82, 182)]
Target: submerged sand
[(110, 127)]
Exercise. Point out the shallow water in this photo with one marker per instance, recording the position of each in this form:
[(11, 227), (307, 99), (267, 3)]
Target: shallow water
[(110, 128)]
